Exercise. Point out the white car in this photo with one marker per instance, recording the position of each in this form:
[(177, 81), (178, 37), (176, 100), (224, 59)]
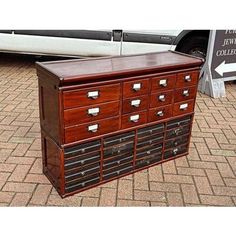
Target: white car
[(87, 43)]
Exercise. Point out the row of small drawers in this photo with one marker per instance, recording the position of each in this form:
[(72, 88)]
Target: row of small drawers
[(82, 163), (76, 133), (107, 93)]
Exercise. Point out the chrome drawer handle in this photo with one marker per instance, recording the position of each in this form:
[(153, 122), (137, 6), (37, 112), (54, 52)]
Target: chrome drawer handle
[(160, 113), (93, 94), (82, 173), (137, 86), (176, 131), (187, 78), (175, 151), (118, 162), (83, 184), (118, 172), (136, 103), (163, 82), (186, 93), (93, 111), (162, 98), (183, 106), (93, 128), (134, 118)]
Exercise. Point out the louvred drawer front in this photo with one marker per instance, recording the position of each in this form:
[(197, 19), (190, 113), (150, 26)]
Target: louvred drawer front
[(91, 96), (187, 79), (161, 99), (185, 93), (76, 133), (163, 82), (135, 88), (183, 107), (92, 113)]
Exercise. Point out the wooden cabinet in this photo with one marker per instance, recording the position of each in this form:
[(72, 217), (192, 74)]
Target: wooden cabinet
[(104, 118)]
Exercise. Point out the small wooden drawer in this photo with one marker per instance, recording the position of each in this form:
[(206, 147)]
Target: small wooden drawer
[(92, 113), (135, 88), (160, 113), (161, 99), (135, 104), (91, 96), (134, 119), (163, 82), (183, 107), (76, 133), (187, 79), (185, 93)]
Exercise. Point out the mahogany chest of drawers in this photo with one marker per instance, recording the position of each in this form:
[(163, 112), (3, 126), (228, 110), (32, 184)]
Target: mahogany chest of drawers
[(104, 118)]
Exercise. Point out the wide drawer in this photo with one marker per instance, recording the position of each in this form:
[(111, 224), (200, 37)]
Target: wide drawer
[(161, 99), (149, 150), (82, 160), (135, 88), (114, 162), (151, 159), (134, 119), (76, 133), (135, 104), (81, 115), (147, 131), (159, 113), (82, 148), (184, 107), (177, 141), (178, 122), (175, 151), (150, 140), (187, 79), (91, 96), (185, 93), (177, 131), (161, 83), (120, 138)]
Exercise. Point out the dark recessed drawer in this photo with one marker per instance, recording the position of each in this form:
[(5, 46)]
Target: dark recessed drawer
[(175, 151), (185, 93), (135, 104), (91, 96), (177, 141), (153, 140), (82, 148), (118, 149), (120, 138), (117, 161), (76, 133), (82, 160), (161, 99), (80, 185), (177, 131), (112, 173), (148, 160), (142, 153), (183, 107), (147, 131), (134, 119), (187, 79), (163, 82), (179, 122), (82, 172), (135, 88), (81, 115), (160, 113)]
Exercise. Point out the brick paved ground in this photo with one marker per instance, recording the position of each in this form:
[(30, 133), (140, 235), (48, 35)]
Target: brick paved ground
[(206, 177)]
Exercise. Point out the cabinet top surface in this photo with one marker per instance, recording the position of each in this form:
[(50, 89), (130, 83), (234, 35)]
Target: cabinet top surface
[(81, 68)]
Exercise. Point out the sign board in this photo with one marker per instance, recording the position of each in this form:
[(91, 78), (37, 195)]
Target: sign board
[(220, 62)]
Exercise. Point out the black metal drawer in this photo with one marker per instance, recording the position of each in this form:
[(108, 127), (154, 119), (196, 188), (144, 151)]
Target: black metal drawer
[(175, 151), (150, 141), (148, 160), (177, 141), (177, 131), (147, 131), (82, 148), (119, 149), (117, 171), (149, 150), (117, 161), (120, 138), (80, 185), (82, 160), (82, 172), (178, 122)]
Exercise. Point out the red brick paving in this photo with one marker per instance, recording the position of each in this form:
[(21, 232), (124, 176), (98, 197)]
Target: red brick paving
[(206, 177)]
